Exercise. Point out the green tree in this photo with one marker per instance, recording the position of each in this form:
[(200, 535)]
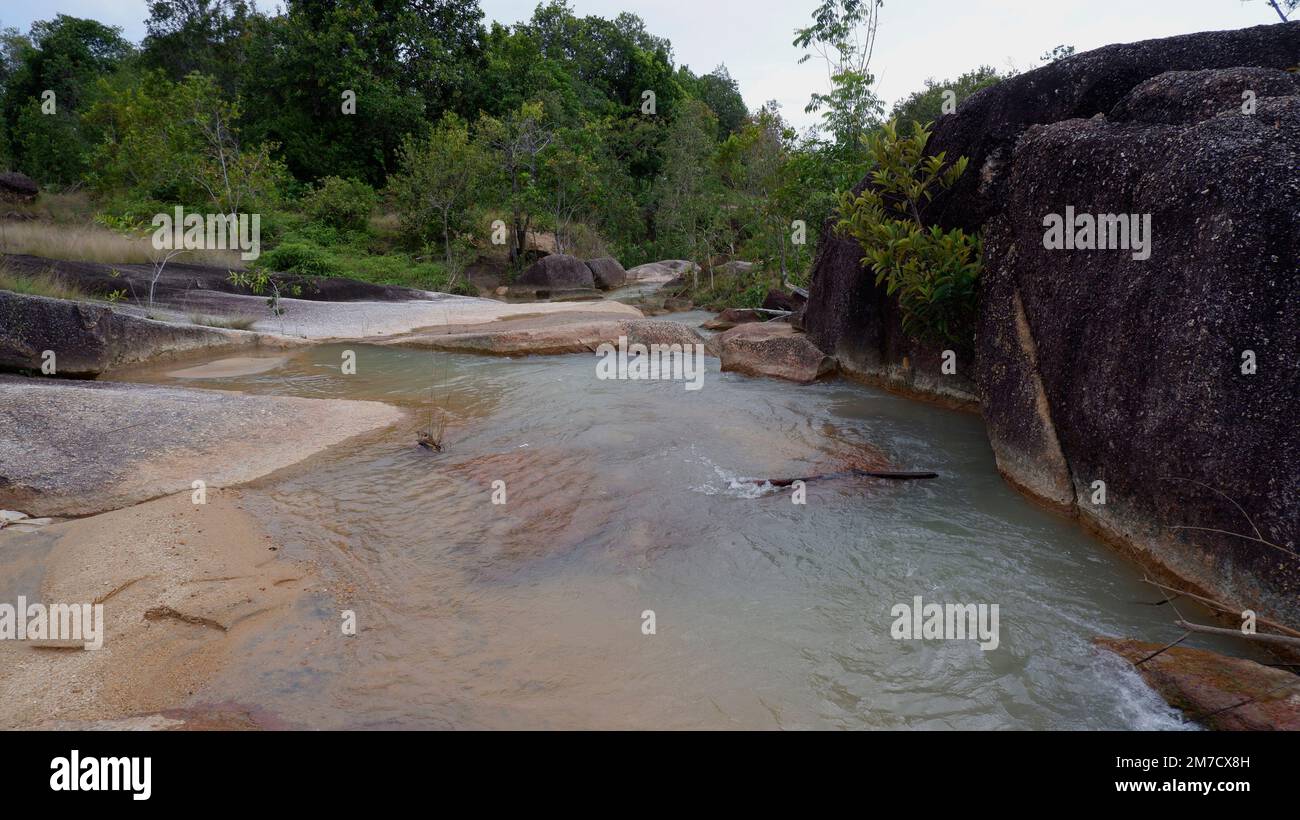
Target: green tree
[(931, 272), (439, 174), (928, 104), (180, 142), (515, 144), (56, 66), (688, 193), (722, 94), (843, 34)]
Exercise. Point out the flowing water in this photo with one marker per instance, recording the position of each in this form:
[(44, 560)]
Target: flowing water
[(623, 497)]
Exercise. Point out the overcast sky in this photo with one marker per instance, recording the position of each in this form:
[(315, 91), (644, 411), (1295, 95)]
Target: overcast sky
[(917, 39)]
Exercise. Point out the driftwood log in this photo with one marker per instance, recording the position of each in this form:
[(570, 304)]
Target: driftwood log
[(888, 474)]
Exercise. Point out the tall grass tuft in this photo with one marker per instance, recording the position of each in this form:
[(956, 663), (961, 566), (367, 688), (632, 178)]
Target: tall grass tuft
[(42, 284)]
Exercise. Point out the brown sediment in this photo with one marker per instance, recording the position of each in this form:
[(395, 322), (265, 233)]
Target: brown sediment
[(164, 635)]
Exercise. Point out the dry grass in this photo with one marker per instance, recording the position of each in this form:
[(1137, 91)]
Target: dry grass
[(94, 243), (43, 284)]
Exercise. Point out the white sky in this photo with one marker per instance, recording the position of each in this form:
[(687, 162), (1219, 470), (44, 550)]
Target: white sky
[(917, 39)]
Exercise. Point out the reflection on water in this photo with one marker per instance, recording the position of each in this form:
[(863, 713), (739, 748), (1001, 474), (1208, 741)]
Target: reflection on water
[(623, 497)]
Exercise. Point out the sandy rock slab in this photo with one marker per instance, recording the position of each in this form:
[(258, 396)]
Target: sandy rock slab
[(1227, 694), (773, 349), (550, 334), (185, 590), (75, 448)]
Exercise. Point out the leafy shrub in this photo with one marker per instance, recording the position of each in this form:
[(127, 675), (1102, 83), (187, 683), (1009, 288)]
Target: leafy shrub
[(300, 258), (931, 272), (344, 204)]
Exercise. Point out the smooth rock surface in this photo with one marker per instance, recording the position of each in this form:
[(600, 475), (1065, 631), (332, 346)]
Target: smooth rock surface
[(771, 349)]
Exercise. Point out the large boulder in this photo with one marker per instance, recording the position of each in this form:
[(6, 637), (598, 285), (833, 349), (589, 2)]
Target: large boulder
[(88, 339), (607, 273), (772, 349), (1170, 378), (987, 125), (851, 319), (16, 187), (665, 271), (557, 272), (1094, 366)]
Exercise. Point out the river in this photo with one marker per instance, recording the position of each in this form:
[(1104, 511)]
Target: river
[(623, 498)]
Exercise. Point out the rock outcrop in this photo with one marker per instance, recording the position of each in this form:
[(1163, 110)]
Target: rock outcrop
[(16, 187), (1166, 373), (665, 271), (76, 448), (88, 339), (557, 272), (848, 316), (771, 349), (1170, 378), (607, 273)]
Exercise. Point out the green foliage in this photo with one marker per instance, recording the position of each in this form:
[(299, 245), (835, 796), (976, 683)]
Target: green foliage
[(843, 33), (439, 174), (178, 142), (931, 272), (64, 56), (927, 105), (300, 258), (734, 290), (344, 204)]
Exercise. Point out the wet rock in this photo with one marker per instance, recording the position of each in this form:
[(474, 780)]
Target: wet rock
[(557, 272), (1226, 694), (607, 273), (771, 349), (677, 304)]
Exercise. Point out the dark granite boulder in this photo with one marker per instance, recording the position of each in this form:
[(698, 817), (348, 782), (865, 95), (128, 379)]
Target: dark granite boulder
[(607, 273), (16, 187), (1170, 378), (557, 272)]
